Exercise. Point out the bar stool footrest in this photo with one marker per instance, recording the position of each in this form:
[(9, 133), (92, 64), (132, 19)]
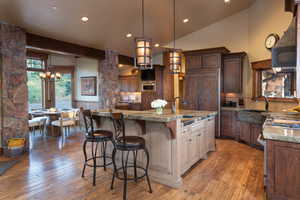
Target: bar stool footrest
[(130, 179), (99, 157)]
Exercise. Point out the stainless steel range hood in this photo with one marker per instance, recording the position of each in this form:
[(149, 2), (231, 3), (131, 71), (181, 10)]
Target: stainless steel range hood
[(284, 54)]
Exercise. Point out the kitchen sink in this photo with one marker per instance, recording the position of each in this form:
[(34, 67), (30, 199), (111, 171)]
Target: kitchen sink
[(255, 111), (251, 116), (187, 116)]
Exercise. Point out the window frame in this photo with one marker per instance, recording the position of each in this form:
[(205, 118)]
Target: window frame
[(257, 68)]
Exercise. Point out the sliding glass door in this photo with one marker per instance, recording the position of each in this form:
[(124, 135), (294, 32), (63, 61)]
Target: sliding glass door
[(63, 92)]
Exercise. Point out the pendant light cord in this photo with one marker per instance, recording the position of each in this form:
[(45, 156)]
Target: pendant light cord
[(174, 28), (143, 18)]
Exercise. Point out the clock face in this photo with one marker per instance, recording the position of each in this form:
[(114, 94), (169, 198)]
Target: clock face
[(271, 41)]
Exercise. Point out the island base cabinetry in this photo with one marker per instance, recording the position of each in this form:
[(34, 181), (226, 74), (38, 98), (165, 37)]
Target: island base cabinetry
[(197, 140), (170, 156), (283, 170)]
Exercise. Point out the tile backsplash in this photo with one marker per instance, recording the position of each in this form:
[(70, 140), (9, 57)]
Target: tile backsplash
[(130, 97)]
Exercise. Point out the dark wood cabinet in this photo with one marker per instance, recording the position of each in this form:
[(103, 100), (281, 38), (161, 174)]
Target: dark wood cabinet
[(129, 83), (283, 170), (232, 71), (241, 131)]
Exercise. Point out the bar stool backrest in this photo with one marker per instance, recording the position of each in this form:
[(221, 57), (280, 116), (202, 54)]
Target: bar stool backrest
[(119, 125), (88, 121)]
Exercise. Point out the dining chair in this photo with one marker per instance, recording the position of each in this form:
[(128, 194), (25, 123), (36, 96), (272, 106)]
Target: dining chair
[(65, 122)]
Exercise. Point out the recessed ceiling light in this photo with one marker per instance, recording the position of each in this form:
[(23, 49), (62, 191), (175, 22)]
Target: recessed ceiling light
[(84, 19), (54, 8), (129, 35), (227, 1), (186, 20), (156, 45), (120, 65)]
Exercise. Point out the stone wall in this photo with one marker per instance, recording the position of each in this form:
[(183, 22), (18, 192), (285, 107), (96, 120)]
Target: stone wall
[(13, 87), (109, 80)]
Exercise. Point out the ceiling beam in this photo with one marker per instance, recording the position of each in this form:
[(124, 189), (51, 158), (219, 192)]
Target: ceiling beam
[(49, 45)]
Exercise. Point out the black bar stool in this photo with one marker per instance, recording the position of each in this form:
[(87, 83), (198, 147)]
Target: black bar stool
[(95, 137), (127, 144)]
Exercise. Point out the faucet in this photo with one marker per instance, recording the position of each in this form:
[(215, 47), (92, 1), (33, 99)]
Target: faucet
[(174, 104), (266, 103)]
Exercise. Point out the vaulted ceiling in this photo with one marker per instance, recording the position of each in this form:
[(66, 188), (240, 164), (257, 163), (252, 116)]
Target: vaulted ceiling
[(110, 20)]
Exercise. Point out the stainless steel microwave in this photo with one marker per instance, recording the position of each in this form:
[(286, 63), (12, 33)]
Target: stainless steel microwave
[(148, 86)]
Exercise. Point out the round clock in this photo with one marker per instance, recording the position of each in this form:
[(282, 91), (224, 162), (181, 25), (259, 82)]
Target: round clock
[(271, 41)]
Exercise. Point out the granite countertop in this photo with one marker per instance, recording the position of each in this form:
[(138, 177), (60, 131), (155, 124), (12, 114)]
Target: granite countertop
[(150, 115), (277, 132)]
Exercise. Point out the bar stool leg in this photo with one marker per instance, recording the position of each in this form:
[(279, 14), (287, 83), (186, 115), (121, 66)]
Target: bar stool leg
[(124, 166), (147, 167), (115, 168), (104, 154), (85, 158), (135, 170), (94, 153)]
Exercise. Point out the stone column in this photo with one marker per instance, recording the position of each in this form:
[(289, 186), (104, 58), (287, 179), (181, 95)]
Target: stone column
[(109, 80), (13, 87)]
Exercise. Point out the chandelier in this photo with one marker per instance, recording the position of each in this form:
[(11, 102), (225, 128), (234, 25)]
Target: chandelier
[(50, 75)]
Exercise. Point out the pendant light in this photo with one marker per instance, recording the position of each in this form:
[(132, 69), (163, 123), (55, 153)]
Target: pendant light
[(175, 54), (48, 75), (143, 51)]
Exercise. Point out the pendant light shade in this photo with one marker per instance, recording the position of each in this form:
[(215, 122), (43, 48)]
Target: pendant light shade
[(143, 48), (175, 60), (175, 54), (143, 53)]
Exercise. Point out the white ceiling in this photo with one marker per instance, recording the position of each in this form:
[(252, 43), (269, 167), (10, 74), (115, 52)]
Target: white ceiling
[(110, 20)]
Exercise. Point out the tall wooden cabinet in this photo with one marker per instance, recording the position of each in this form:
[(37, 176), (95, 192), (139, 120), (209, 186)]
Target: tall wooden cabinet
[(129, 83), (232, 72), (202, 84)]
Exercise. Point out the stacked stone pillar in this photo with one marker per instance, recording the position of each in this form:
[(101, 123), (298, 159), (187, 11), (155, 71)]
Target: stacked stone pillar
[(13, 87), (109, 80)]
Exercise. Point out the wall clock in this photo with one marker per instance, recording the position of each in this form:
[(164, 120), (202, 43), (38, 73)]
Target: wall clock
[(271, 41)]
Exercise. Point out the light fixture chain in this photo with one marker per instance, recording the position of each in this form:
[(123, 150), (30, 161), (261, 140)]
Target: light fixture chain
[(143, 18), (174, 25)]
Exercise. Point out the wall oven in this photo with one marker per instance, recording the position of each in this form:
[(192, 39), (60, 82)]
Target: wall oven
[(148, 86)]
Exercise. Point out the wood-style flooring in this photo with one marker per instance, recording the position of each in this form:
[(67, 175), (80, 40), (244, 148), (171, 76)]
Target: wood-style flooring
[(53, 171)]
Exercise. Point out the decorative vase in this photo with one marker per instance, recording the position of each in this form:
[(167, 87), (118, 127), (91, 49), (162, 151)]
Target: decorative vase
[(159, 111)]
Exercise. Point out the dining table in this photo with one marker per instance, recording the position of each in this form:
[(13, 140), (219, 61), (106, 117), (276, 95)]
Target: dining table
[(52, 116)]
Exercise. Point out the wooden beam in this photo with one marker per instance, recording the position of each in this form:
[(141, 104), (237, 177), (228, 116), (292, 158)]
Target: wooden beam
[(52, 45)]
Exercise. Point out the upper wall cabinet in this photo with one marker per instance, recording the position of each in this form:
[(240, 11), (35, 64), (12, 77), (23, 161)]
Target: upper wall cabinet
[(233, 72), (129, 83), (204, 58)]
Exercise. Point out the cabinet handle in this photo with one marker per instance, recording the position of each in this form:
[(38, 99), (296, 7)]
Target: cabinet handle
[(190, 140), (199, 135)]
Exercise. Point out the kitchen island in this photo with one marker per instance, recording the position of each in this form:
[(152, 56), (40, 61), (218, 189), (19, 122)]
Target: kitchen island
[(175, 141), (282, 134)]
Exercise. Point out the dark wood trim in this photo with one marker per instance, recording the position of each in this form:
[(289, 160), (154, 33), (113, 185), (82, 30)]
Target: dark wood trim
[(236, 54), (36, 41), (262, 64), (37, 44), (37, 55), (222, 50), (275, 99), (1, 151)]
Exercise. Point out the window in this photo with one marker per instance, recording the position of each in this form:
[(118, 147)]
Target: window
[(279, 85), (35, 63), (63, 92), (34, 82)]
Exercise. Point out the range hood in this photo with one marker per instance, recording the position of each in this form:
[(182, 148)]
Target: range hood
[(284, 54)]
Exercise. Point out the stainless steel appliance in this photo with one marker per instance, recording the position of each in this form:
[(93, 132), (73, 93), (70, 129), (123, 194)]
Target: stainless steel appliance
[(148, 86)]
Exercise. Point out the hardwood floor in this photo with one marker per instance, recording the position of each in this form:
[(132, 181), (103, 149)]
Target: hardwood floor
[(53, 171)]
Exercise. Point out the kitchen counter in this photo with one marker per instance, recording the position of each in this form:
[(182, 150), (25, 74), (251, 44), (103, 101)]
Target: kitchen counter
[(150, 115), (282, 127)]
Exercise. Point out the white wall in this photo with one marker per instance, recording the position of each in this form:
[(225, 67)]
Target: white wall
[(85, 67), (61, 60)]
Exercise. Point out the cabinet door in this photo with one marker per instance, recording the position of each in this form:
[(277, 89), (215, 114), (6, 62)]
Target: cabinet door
[(184, 153), (245, 132), (194, 148), (211, 141), (232, 75), (226, 124), (256, 130)]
